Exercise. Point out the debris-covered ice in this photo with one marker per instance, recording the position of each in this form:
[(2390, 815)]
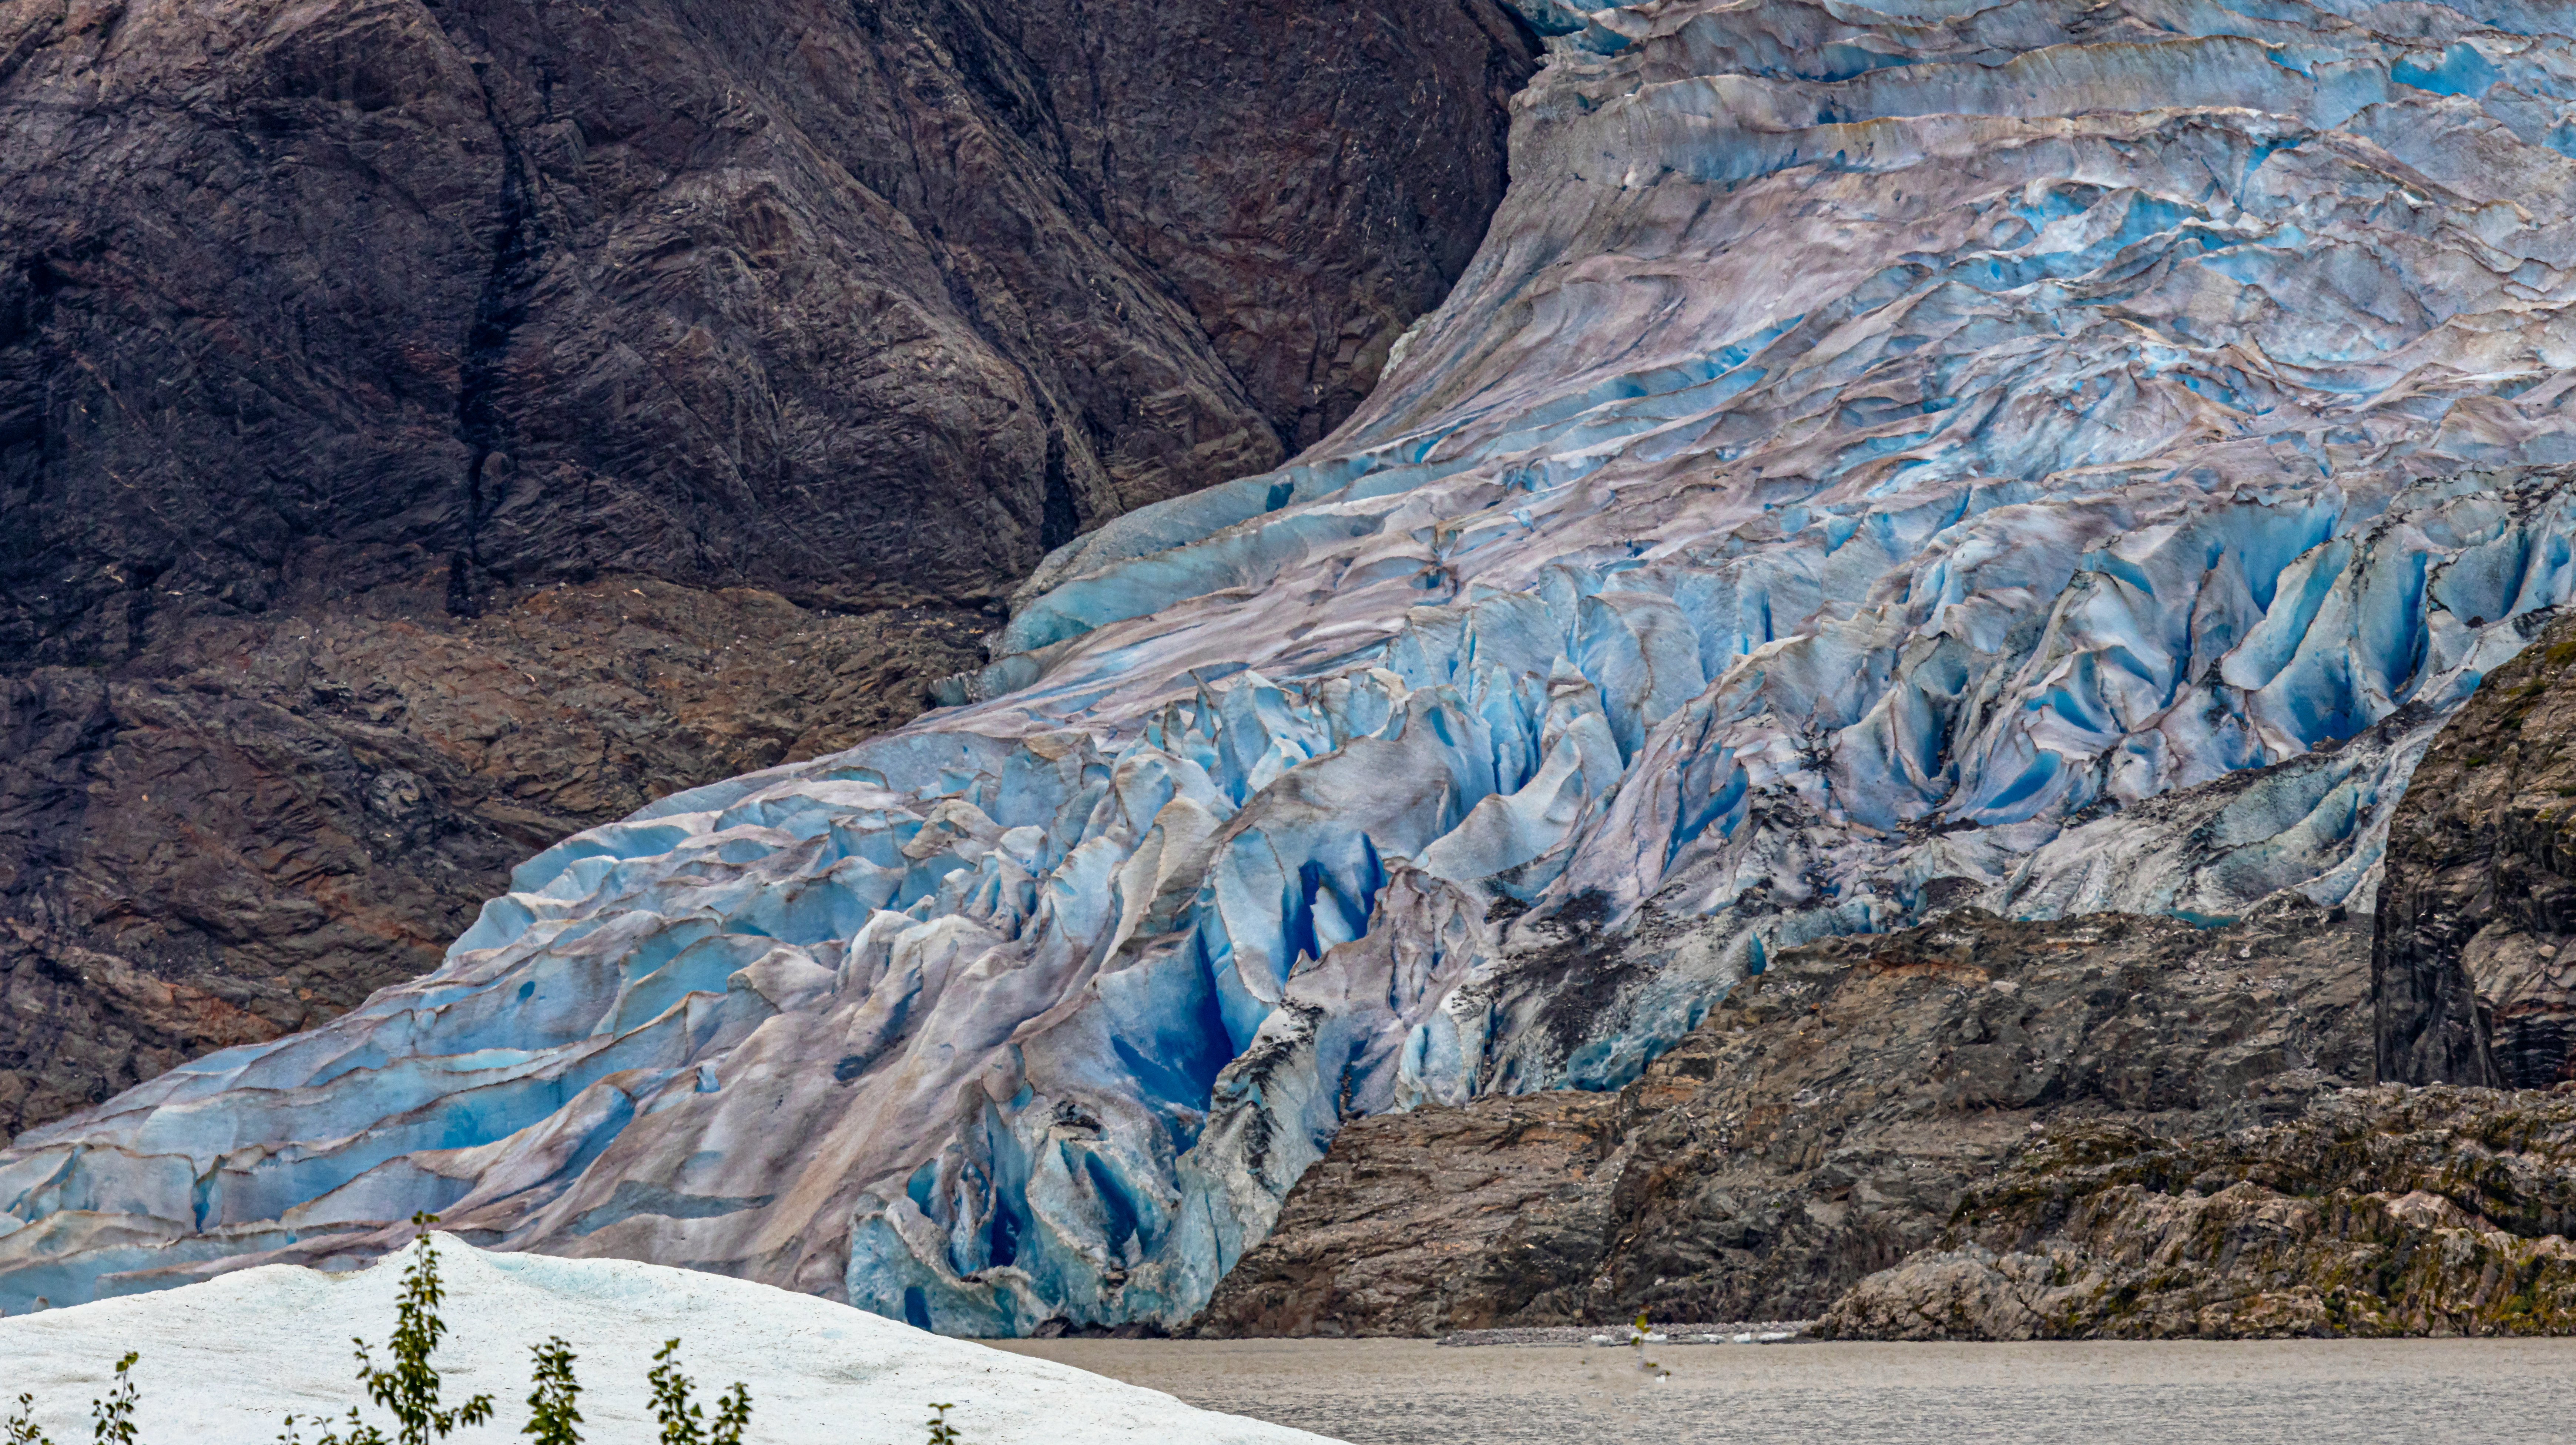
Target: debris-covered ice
[(2049, 455)]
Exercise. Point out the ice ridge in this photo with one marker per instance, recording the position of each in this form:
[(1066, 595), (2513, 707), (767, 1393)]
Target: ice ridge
[(2047, 455)]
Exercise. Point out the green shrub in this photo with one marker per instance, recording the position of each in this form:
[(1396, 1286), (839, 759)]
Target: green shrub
[(682, 1421), (22, 1431), (552, 1414), (112, 1419), (410, 1390)]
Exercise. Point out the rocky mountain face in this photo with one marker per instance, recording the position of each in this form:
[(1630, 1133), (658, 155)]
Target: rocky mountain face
[(430, 428), (2059, 458), (857, 303), (2381, 1211), (2473, 976), (1821, 1124)]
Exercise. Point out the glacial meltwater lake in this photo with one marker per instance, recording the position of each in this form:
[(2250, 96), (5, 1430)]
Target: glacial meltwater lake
[(1412, 1392)]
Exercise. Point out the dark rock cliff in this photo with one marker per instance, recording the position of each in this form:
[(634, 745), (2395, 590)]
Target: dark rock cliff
[(2381, 1211), (429, 427), (1820, 1125), (857, 302), (2470, 976)]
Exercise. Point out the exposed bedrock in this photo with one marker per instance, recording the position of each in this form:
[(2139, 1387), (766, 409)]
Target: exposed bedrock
[(2381, 1211), (859, 303), (329, 329), (2061, 458), (2474, 979), (1821, 1124)]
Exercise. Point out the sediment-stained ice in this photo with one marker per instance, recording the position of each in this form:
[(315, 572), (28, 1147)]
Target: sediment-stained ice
[(2051, 456)]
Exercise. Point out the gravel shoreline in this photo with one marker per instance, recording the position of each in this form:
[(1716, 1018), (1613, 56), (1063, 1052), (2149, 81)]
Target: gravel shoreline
[(1825, 1392), (1737, 1332)]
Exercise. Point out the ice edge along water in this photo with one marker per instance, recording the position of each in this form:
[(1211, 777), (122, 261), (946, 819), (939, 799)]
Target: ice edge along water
[(2055, 456)]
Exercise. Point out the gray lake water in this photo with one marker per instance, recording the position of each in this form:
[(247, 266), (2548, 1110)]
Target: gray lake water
[(1409, 1392)]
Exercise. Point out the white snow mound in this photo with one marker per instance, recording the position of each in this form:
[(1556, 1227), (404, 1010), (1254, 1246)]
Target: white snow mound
[(224, 1361)]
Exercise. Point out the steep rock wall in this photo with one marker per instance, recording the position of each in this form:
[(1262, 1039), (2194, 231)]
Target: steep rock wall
[(2470, 982), (856, 303), (2062, 458)]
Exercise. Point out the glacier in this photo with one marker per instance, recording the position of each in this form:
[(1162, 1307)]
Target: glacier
[(1885, 457)]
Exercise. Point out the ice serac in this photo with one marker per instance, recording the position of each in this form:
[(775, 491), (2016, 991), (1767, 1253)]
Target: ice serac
[(2054, 456)]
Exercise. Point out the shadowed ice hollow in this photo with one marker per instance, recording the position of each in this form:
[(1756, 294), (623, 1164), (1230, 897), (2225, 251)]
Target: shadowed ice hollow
[(2045, 455)]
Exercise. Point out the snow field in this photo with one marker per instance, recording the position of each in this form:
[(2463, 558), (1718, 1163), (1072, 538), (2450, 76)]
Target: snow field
[(223, 1362)]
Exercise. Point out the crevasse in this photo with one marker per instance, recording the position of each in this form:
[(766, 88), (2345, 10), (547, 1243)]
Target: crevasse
[(2050, 456)]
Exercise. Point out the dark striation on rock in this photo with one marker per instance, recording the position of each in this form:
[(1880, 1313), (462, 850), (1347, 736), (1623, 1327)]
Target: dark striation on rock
[(2472, 979), (2383, 1211), (362, 364), (1821, 1124)]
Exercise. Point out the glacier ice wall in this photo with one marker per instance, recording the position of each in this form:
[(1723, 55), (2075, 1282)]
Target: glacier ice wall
[(2059, 456)]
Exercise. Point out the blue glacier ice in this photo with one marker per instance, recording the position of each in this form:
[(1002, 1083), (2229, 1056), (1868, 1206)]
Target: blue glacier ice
[(1886, 457)]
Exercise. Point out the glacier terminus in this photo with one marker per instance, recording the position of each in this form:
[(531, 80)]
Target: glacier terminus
[(1885, 457)]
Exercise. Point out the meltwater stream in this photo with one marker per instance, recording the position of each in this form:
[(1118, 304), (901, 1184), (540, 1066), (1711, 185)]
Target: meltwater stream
[(2057, 456)]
